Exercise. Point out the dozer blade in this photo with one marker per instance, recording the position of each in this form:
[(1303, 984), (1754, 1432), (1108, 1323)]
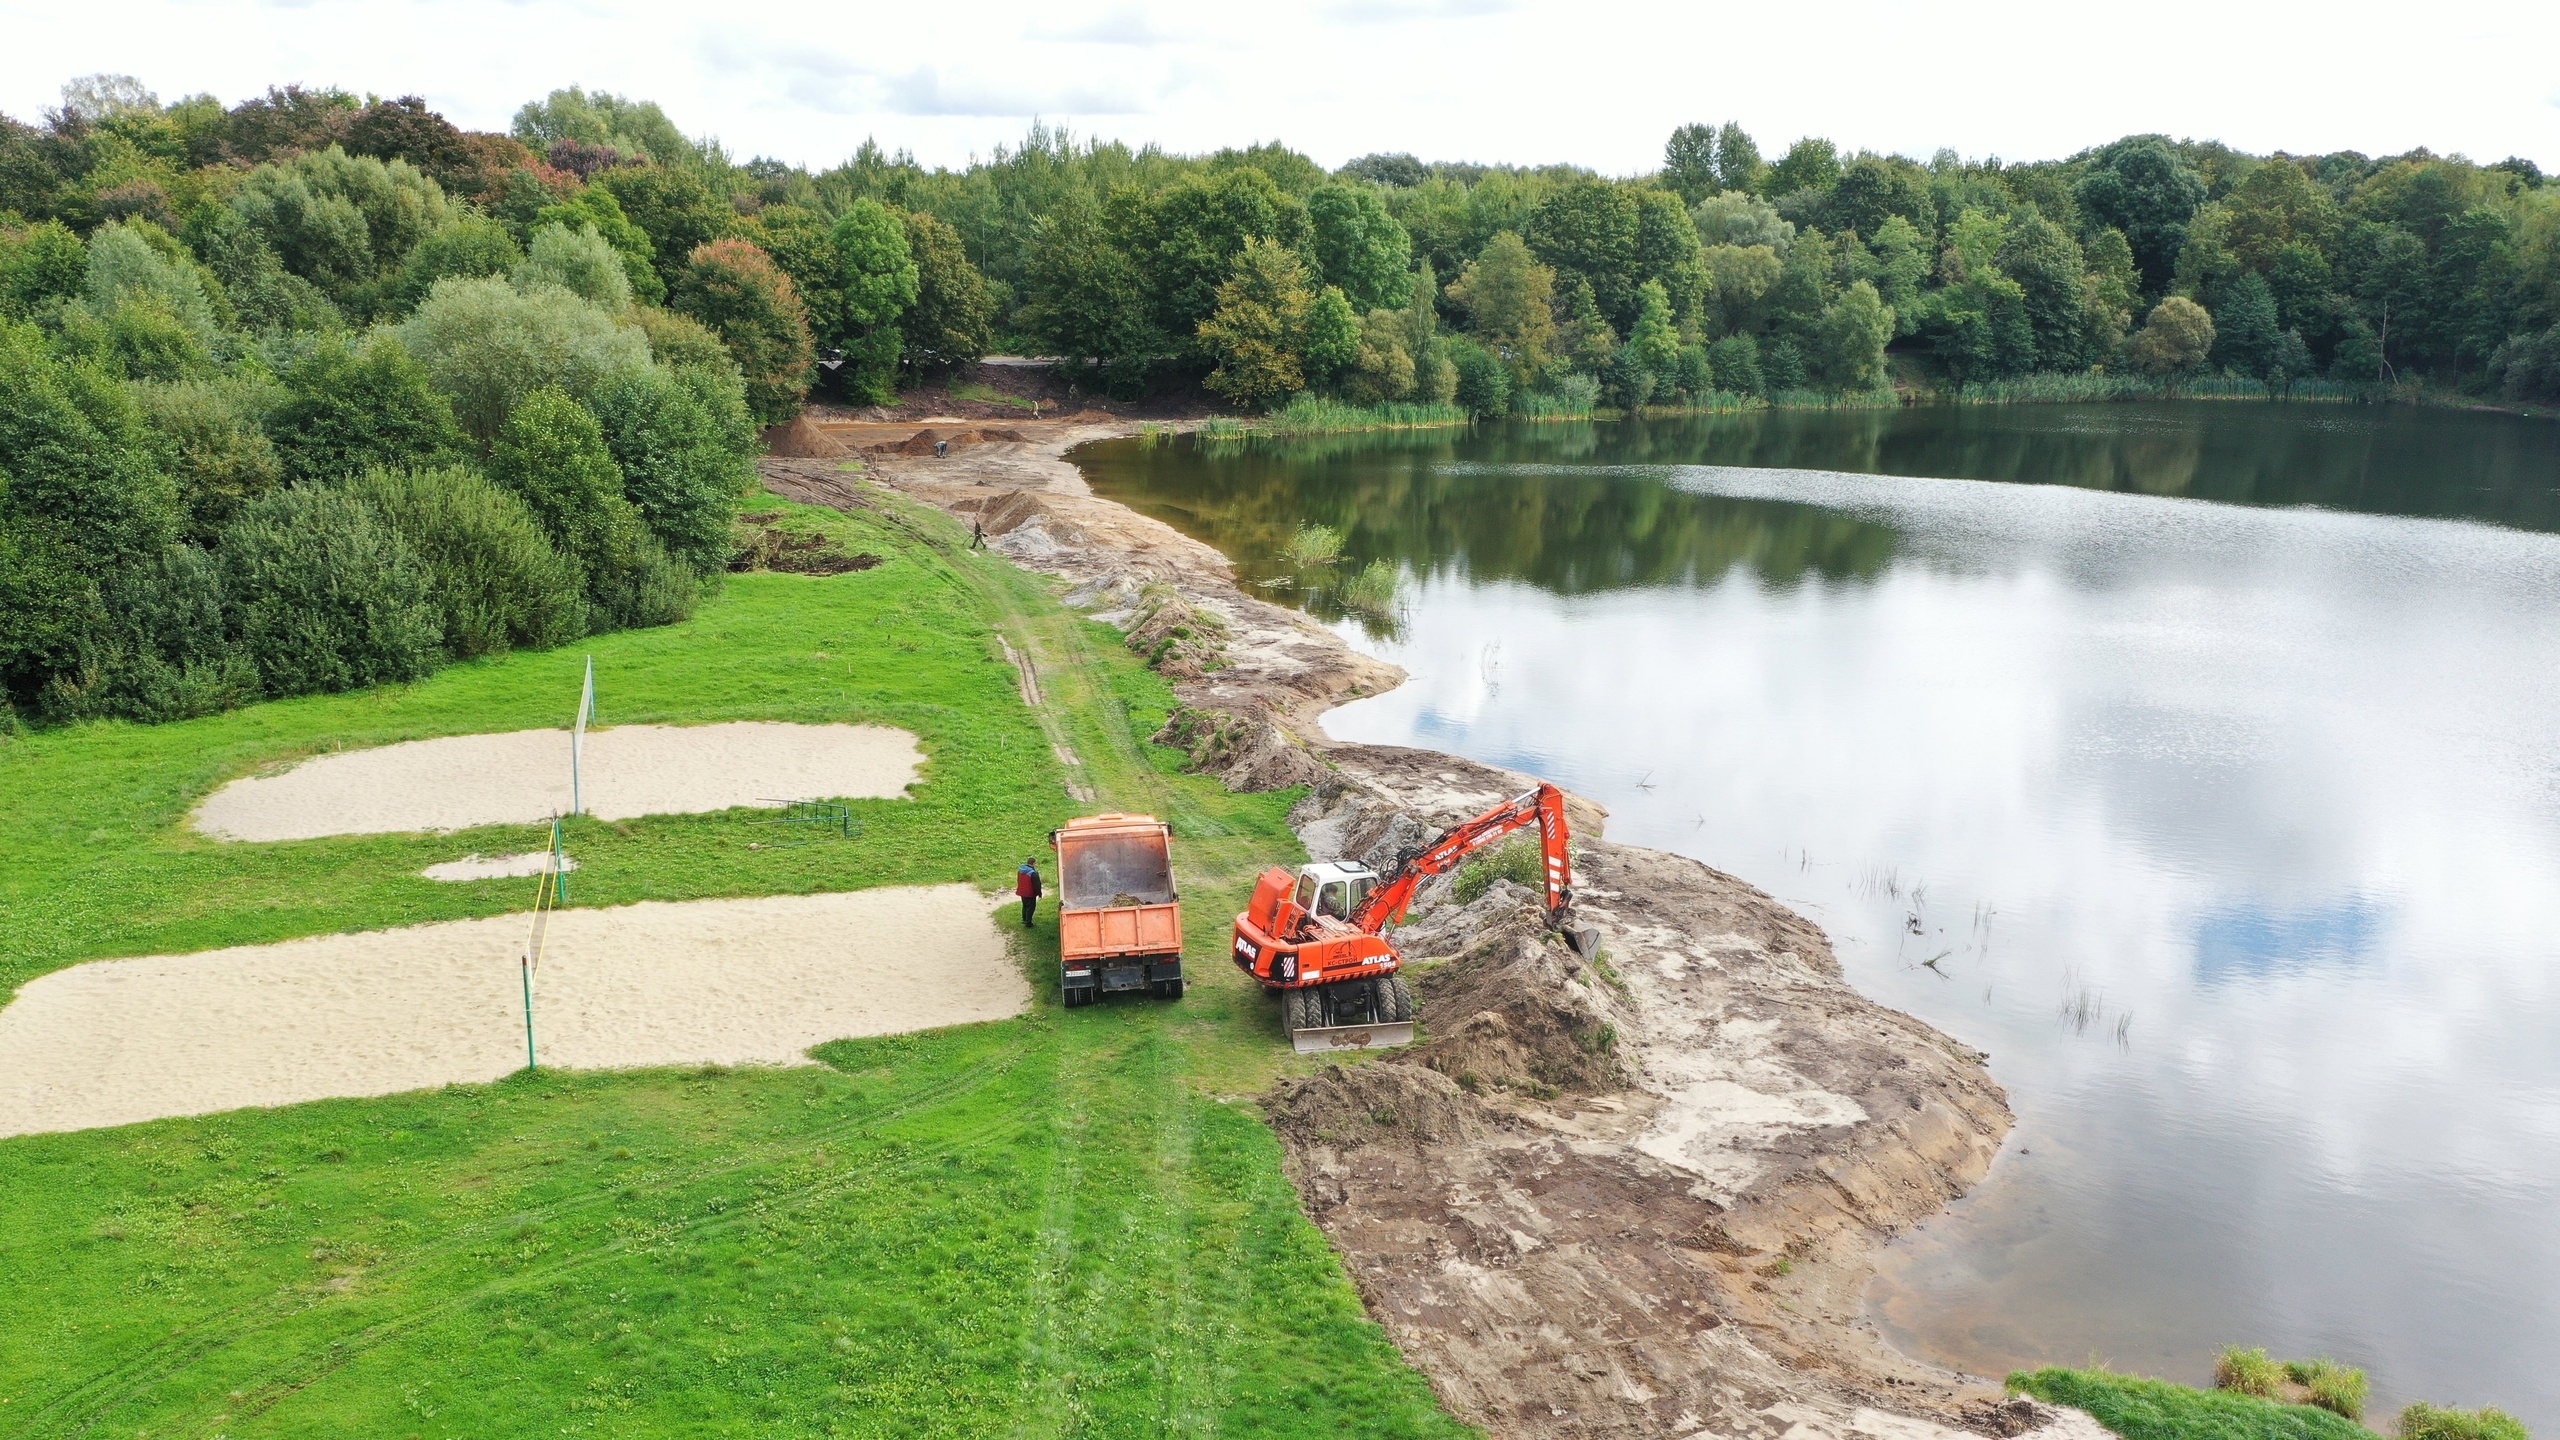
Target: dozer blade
[(1383, 1035)]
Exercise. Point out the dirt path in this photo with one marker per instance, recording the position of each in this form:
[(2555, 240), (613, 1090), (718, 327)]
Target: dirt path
[(1633, 1200)]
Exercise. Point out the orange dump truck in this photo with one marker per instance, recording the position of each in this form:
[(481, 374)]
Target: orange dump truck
[(1119, 926)]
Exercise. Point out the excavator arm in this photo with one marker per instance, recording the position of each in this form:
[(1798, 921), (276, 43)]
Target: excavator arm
[(1542, 807)]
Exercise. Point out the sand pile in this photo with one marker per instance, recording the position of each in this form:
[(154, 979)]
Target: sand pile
[(522, 777), (476, 866), (728, 981), (801, 438)]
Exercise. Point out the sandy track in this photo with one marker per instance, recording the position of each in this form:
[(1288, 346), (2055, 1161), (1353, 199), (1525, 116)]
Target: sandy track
[(522, 777), (706, 981)]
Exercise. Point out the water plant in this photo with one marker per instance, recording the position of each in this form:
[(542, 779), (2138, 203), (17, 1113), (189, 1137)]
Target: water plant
[(2248, 1371), (1313, 545), (1373, 590), (2332, 1386), (2423, 1421)]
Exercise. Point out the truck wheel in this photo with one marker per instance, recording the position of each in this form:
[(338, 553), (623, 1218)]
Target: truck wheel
[(1169, 989), (1074, 998)]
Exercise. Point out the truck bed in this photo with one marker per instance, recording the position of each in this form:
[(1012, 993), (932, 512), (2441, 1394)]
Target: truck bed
[(1119, 930)]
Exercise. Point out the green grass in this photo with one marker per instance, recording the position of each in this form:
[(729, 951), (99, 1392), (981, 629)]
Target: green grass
[(2142, 1409), (1067, 1223), (1313, 544), (1308, 414), (990, 395)]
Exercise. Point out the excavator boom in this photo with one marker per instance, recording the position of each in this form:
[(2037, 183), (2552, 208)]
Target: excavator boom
[(1542, 807)]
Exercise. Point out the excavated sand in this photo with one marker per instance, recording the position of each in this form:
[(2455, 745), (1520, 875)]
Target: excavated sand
[(522, 777), (497, 867), (706, 981)]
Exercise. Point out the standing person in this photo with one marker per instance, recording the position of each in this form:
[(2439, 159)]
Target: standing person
[(1026, 885)]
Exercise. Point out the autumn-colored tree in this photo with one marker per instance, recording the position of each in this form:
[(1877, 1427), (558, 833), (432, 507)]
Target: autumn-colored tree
[(737, 290), (1258, 330)]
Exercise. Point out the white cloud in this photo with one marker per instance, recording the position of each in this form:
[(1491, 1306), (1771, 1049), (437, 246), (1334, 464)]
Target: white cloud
[(1595, 82)]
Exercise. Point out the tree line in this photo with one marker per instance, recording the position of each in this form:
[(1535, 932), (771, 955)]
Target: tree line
[(319, 390)]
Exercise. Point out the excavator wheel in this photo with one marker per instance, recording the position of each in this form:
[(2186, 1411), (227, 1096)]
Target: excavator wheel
[(1395, 1001), (1299, 1011)]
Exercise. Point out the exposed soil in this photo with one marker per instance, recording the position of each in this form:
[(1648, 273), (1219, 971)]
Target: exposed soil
[(1632, 1196), (377, 1012)]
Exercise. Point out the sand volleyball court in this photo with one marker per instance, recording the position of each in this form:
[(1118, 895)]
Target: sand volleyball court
[(112, 1042), (521, 777)]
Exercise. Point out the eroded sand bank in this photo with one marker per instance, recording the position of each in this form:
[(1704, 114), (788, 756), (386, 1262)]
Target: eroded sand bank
[(706, 981), (521, 777)]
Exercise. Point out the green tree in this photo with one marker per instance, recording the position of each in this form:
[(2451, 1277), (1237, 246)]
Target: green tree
[(1689, 163), (486, 345), (1733, 218), (1509, 299), (1483, 386), (674, 208), (2050, 270), (1736, 363), (1902, 268), (1359, 247), (346, 223), (552, 455), (735, 289), (2139, 185), (1085, 299), (1331, 346), (1804, 289), (2175, 340), (209, 439), (350, 405), (1668, 254), (1809, 164), (877, 278), (39, 266), (1738, 163), (1258, 330), (1587, 230), (1742, 278), (1653, 343), (681, 466), (1584, 337), (595, 205), (160, 648), (633, 127), (1872, 189), (578, 261), (952, 322), (1435, 377), (1853, 336), (2248, 338), (1188, 237), (472, 247)]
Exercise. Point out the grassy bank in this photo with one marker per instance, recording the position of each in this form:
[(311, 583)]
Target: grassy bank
[(2138, 1408), (1058, 1224)]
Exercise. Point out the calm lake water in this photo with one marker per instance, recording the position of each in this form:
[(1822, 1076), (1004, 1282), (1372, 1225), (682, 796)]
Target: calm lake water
[(2200, 762)]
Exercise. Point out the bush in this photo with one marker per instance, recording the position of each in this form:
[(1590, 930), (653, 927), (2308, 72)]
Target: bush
[(349, 406), (682, 341), (1484, 382), (40, 267), (324, 596), (1561, 397), (2429, 1422), (76, 463), (210, 440), (681, 466), (498, 582), (162, 649), (346, 223), (2248, 1372), (1520, 860), (736, 291), (552, 454), (1735, 361)]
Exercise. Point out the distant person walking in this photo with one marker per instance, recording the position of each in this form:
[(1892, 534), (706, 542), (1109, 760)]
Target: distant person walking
[(1026, 885)]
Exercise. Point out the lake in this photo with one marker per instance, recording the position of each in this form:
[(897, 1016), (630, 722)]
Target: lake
[(2201, 762)]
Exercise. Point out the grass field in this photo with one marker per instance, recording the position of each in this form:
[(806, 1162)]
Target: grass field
[(2143, 1409), (1064, 1224)]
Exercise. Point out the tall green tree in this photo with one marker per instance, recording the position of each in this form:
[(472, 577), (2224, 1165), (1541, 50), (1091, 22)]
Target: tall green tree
[(1809, 164), (1359, 247), (1738, 163), (1852, 339), (953, 319), (2140, 186), (1257, 333), (1689, 163), (877, 280), (1188, 237), (1084, 296), (1588, 231), (1509, 299)]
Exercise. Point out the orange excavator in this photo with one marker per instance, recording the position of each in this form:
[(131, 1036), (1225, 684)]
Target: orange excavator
[(1316, 938)]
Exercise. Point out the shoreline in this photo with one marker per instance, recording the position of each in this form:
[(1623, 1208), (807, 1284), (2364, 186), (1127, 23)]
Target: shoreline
[(1641, 1196)]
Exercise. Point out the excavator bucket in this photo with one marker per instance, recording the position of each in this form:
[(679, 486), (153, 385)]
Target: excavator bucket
[(1358, 1015)]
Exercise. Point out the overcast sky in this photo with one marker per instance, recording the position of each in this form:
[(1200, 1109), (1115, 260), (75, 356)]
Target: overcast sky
[(1594, 82)]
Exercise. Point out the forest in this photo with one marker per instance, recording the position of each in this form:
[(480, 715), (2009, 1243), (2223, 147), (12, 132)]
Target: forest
[(320, 390)]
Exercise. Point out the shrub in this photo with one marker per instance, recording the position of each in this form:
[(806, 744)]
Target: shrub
[(210, 440), (680, 340), (39, 267), (738, 293), (1520, 860), (1561, 397), (681, 466), (2429, 1422), (497, 580), (487, 346), (1484, 382), (324, 596), (76, 463), (552, 454), (2248, 1372), (578, 261), (349, 406), (162, 649)]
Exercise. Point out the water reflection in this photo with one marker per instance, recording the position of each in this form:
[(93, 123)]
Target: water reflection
[(2229, 832)]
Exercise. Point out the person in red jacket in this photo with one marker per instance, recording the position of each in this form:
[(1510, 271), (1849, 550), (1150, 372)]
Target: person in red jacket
[(1026, 885)]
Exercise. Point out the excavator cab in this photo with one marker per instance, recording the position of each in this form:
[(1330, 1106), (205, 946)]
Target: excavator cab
[(1333, 889)]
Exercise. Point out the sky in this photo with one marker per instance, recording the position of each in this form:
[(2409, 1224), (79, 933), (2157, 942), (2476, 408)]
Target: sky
[(1591, 82)]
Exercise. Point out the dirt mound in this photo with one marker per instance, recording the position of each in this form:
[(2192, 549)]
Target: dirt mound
[(800, 438), (1180, 640), (1514, 1009), (1374, 1104), (757, 545)]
